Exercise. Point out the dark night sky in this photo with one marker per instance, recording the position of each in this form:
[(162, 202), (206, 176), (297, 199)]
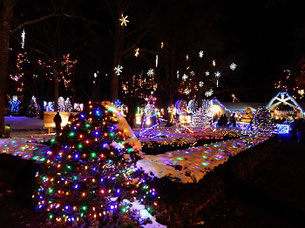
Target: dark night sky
[(263, 37), (269, 39)]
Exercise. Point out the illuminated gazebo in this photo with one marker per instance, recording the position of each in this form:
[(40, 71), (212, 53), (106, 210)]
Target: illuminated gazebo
[(283, 106)]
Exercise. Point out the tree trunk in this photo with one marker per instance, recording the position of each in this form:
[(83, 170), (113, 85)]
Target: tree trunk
[(117, 55), (5, 23), (56, 87)]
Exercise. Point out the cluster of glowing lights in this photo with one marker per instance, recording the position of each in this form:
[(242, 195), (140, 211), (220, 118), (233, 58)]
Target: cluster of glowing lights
[(289, 83), (141, 86), (21, 60), (89, 169), (193, 82), (65, 69)]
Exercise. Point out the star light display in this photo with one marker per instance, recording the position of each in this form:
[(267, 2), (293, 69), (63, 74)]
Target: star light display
[(118, 70), (201, 83), (207, 73), (123, 20), (90, 171)]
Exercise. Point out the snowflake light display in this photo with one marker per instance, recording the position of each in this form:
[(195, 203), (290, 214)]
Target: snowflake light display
[(184, 77), (124, 20), (233, 66), (217, 74), (90, 171), (193, 80), (208, 93), (150, 72), (187, 91), (118, 70)]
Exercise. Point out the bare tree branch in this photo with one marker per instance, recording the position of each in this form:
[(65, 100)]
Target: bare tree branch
[(135, 44), (135, 31), (33, 21), (84, 19)]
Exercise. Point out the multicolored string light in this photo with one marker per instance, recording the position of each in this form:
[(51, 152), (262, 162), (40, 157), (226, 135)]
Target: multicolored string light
[(90, 171)]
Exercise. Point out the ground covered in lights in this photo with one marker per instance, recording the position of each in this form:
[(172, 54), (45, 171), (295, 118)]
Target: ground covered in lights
[(184, 164)]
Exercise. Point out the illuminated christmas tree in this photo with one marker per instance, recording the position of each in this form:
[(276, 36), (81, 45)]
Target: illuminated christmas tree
[(33, 108), (90, 176), (263, 121)]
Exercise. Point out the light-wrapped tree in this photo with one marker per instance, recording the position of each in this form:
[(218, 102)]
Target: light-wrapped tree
[(90, 174)]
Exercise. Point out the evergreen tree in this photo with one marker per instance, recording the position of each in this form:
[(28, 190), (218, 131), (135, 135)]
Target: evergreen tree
[(90, 171), (263, 121), (33, 108)]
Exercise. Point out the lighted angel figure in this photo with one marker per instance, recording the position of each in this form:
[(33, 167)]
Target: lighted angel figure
[(68, 105), (61, 104), (14, 103), (49, 106)]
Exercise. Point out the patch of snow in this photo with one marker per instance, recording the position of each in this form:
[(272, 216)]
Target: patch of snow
[(124, 126), (144, 215), (191, 165)]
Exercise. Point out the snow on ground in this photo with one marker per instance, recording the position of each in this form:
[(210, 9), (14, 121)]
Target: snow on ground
[(25, 147), (24, 123), (143, 214), (188, 165), (191, 165)]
